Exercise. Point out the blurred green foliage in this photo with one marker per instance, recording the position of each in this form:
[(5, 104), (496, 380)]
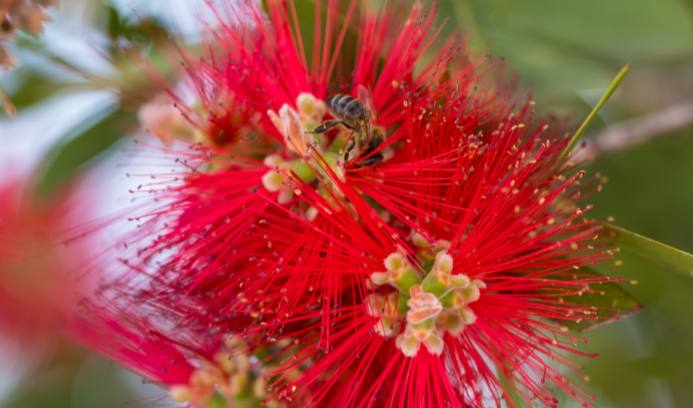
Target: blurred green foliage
[(565, 48), (36, 87), (569, 51), (130, 39), (89, 141), (76, 379), (643, 356)]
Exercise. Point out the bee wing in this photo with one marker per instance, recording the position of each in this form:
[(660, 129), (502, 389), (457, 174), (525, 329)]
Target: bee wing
[(366, 99)]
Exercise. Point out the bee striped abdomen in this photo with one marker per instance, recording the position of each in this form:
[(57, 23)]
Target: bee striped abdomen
[(344, 107)]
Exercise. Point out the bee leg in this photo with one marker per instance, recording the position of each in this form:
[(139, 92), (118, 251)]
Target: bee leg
[(326, 126), (352, 142)]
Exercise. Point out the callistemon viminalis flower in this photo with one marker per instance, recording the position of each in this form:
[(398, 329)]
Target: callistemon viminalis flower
[(195, 367), (38, 283), (439, 265)]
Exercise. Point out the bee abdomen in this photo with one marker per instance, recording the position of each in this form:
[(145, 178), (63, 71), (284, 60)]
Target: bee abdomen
[(344, 106)]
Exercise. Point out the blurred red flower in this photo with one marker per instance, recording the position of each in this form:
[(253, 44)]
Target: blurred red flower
[(39, 281)]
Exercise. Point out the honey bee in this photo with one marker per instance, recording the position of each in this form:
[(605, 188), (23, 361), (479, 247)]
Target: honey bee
[(356, 114)]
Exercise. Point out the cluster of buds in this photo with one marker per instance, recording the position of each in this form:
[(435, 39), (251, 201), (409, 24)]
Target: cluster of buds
[(228, 375), (160, 117), (25, 15), (435, 304)]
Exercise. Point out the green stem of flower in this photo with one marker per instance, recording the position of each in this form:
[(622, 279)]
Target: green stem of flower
[(402, 306), (408, 279), (432, 284)]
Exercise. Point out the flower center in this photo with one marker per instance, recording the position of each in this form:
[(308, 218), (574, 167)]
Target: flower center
[(227, 375), (430, 306)]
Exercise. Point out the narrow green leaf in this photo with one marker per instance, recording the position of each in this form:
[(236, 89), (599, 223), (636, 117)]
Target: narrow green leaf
[(139, 29), (680, 260), (611, 300), (64, 159), (581, 131), (36, 88)]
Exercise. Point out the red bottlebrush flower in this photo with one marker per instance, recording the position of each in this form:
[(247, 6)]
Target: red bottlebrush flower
[(132, 341), (193, 366), (38, 283), (395, 237)]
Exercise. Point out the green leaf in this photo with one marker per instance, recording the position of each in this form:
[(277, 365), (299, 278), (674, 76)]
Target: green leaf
[(613, 29), (680, 260), (114, 22), (66, 158), (36, 87), (611, 300), (581, 131)]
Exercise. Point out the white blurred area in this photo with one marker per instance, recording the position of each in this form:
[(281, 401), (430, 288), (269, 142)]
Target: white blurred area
[(26, 138)]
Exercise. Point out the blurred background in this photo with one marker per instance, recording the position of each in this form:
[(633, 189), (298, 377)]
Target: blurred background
[(567, 52)]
